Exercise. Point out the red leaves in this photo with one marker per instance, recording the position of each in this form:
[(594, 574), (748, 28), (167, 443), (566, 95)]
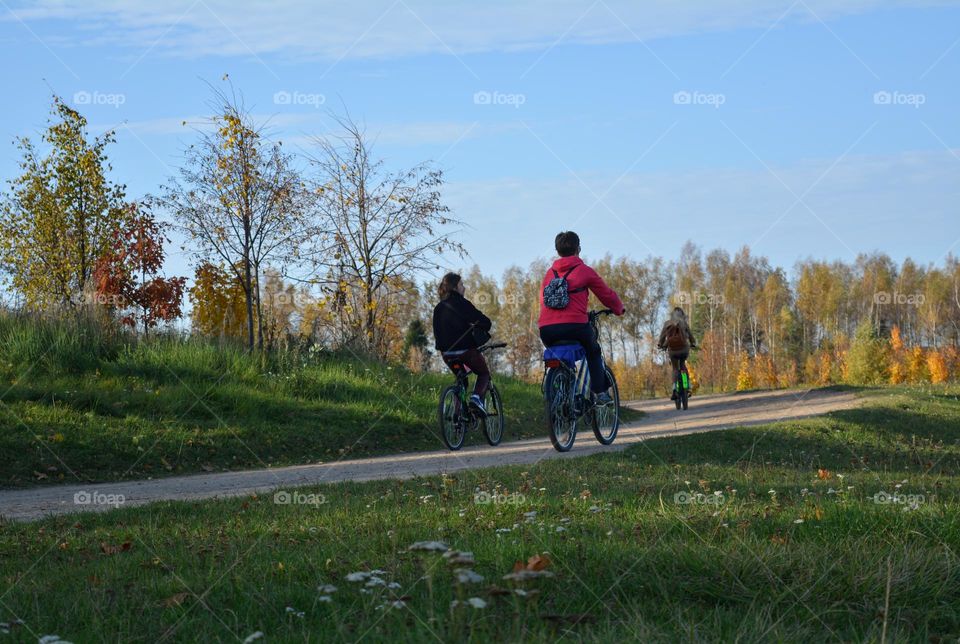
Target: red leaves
[(126, 275), (536, 563)]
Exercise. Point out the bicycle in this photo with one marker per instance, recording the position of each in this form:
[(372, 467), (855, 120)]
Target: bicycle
[(681, 385), (456, 416), (567, 398)]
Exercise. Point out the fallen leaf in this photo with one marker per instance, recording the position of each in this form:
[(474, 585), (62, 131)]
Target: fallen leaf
[(538, 562), (108, 549), (175, 600)]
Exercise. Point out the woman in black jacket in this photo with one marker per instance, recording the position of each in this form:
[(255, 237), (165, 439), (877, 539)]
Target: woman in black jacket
[(454, 319)]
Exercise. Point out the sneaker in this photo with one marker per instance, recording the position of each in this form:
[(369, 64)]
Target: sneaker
[(603, 398), (477, 404)]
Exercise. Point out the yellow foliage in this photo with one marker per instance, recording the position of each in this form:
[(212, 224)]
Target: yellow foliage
[(917, 366), (744, 376), (825, 369), (898, 372), (937, 367)]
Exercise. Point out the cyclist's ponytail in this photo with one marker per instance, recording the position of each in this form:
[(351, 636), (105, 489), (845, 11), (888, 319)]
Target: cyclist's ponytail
[(448, 285)]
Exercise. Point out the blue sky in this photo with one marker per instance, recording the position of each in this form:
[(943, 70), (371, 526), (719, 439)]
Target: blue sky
[(805, 129)]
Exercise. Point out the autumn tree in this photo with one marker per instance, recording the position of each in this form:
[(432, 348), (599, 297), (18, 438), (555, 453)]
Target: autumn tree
[(61, 213), (240, 201), (378, 229), (128, 274), (219, 303), (868, 360)]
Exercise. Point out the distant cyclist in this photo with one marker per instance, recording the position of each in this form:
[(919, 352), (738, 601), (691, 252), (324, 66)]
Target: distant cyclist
[(677, 339), (454, 320), (564, 296)]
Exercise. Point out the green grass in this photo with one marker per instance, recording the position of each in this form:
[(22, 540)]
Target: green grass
[(794, 547), (81, 403)]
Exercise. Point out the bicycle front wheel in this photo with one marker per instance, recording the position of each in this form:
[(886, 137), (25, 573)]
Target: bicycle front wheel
[(560, 414), (606, 418), (493, 423), (450, 415)]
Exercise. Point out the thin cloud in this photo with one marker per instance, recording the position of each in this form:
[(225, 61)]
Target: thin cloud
[(332, 30)]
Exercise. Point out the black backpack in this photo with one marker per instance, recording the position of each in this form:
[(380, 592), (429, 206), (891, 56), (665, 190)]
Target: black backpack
[(556, 294)]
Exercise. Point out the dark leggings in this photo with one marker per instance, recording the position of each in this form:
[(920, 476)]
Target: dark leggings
[(473, 360), (676, 359), (582, 333)]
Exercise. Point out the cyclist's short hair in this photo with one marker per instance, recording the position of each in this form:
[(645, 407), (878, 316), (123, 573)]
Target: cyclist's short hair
[(567, 243), (448, 285)]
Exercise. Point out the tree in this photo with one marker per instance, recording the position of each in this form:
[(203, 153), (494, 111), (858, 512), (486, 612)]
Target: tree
[(868, 359), (415, 343), (239, 199), (219, 302), (61, 214), (128, 276), (379, 230)]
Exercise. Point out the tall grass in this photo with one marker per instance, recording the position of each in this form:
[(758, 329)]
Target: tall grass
[(57, 344)]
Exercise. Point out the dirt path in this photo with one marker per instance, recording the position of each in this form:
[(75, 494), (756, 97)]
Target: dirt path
[(706, 413)]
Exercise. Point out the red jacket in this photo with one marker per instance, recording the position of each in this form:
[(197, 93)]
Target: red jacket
[(583, 276)]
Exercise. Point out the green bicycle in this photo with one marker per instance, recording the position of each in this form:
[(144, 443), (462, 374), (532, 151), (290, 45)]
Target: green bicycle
[(457, 416)]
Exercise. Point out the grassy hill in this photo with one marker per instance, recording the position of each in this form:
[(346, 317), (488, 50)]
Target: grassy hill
[(842, 528), (80, 403)]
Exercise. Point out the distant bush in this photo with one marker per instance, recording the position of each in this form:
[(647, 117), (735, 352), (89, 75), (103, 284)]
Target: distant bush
[(868, 360)]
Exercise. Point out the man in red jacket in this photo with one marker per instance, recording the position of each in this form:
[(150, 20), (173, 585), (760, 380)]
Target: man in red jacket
[(571, 323)]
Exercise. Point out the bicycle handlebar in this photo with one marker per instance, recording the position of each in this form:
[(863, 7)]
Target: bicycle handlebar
[(599, 312)]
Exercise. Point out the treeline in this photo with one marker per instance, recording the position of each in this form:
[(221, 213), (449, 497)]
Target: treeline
[(868, 321)]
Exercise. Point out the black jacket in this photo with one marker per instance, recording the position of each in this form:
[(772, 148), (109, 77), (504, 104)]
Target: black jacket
[(452, 320)]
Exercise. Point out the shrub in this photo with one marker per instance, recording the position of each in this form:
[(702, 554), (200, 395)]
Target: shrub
[(868, 360)]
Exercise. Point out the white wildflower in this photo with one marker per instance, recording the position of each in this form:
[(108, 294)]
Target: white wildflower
[(430, 546), (467, 576)]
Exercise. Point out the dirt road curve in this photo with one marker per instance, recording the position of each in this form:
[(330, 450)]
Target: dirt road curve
[(706, 413)]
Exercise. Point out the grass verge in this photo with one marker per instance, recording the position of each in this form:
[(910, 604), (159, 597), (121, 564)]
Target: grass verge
[(80, 404)]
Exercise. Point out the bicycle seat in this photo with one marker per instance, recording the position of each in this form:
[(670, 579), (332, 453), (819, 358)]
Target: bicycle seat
[(567, 352)]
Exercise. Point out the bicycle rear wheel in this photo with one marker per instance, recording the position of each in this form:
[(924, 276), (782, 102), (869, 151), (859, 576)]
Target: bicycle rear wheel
[(606, 418), (493, 423), (560, 415), (450, 415)]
